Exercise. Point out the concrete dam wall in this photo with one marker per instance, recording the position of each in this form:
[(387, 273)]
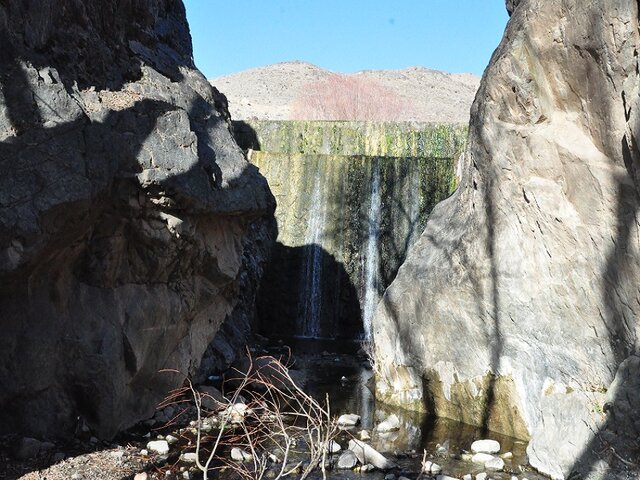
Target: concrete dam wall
[(352, 197)]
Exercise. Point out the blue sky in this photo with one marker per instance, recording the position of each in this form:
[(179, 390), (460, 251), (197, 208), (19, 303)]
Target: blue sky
[(345, 35)]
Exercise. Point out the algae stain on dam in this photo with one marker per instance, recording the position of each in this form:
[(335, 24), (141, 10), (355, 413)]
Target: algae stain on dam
[(351, 199)]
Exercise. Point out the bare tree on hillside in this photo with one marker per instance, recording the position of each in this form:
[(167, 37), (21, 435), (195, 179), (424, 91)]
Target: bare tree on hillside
[(348, 97)]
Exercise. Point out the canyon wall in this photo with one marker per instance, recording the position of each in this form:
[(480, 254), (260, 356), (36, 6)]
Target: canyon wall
[(131, 224), (517, 309), (352, 197)]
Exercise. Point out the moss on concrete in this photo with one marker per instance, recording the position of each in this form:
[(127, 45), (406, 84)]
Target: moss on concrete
[(402, 139)]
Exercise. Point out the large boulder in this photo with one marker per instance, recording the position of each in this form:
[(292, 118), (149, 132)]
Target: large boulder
[(128, 214), (519, 305)]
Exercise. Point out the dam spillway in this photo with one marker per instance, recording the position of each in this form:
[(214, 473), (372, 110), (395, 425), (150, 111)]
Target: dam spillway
[(352, 197)]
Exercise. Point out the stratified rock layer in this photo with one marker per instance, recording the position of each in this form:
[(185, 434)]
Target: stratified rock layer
[(519, 304), (127, 213)]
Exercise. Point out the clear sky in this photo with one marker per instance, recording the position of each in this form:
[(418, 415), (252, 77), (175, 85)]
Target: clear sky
[(345, 35)]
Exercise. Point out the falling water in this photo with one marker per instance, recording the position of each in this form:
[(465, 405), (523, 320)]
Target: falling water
[(310, 302), (372, 256)]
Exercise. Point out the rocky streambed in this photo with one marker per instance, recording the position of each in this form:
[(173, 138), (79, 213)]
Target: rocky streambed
[(374, 441)]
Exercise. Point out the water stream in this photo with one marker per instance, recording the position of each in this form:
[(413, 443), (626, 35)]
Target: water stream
[(372, 256), (310, 302), (333, 368)]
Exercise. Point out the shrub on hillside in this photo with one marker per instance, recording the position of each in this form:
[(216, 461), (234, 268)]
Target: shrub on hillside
[(348, 97)]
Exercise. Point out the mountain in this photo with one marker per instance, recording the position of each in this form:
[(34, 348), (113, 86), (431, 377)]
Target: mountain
[(269, 92)]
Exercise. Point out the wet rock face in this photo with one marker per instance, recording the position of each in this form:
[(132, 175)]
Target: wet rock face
[(127, 213), (518, 306)]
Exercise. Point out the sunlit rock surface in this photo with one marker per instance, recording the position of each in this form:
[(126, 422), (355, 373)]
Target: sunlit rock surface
[(128, 214), (519, 304)]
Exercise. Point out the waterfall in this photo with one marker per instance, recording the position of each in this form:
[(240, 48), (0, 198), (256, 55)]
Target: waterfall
[(372, 258), (310, 302)]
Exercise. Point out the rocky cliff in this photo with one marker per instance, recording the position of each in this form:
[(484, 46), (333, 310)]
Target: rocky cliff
[(518, 307), (128, 214)]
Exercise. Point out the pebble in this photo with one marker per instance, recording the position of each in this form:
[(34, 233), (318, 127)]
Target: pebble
[(482, 458), (485, 446), (334, 447), (389, 476), (432, 468), (390, 424), (507, 455), (347, 460), (443, 449), (364, 435), (273, 458), (445, 477), (367, 468), (495, 463), (403, 478), (240, 455), (367, 454), (186, 475), (468, 476), (158, 446), (171, 440), (144, 452), (348, 420), (190, 457), (141, 476), (481, 476)]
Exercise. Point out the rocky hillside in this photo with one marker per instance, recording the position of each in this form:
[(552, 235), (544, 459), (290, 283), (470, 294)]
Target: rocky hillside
[(270, 92), (518, 308), (129, 217)]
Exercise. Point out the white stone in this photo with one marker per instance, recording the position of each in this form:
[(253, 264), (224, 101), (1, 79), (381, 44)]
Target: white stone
[(348, 420), (364, 435), (171, 439), (240, 455), (445, 477), (496, 464), (485, 446), (432, 468), (141, 476), (482, 458), (368, 454), (468, 476), (347, 460), (481, 476), (158, 446), (144, 452), (507, 455), (390, 424), (190, 457), (333, 447)]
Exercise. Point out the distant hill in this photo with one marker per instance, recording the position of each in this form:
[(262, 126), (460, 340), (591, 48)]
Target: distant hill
[(269, 92)]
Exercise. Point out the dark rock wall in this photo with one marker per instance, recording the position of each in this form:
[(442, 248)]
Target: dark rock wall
[(127, 212)]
